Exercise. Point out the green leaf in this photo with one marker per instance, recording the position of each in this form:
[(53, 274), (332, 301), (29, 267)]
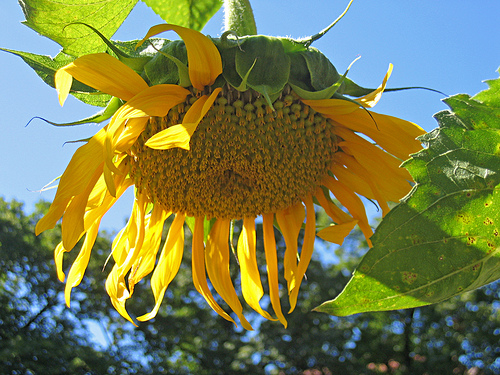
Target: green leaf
[(46, 67), (492, 95), (188, 13), (444, 237), (54, 19)]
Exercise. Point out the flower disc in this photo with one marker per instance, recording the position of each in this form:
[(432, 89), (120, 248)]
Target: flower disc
[(246, 158)]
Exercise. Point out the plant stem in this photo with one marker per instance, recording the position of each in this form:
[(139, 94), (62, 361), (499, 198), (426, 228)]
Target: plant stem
[(238, 17)]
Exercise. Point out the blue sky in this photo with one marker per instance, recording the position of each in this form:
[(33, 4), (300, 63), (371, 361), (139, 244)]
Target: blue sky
[(451, 46)]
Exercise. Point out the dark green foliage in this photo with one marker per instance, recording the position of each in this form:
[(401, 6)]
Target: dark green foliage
[(39, 335)]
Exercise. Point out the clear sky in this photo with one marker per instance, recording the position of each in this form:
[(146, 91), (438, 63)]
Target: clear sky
[(449, 45)]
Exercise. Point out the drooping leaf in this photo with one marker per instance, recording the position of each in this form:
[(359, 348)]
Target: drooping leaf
[(46, 67), (188, 13), (444, 237), (56, 20)]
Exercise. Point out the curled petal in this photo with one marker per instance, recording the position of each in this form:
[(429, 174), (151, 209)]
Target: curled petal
[(217, 262), (63, 81), (79, 266), (251, 285), (204, 61), (146, 260), (198, 265), (168, 264), (352, 203), (290, 221), (180, 135), (104, 73), (372, 98), (337, 233)]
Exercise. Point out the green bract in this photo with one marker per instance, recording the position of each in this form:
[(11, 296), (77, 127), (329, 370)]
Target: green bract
[(262, 63)]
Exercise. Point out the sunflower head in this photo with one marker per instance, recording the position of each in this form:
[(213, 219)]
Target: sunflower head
[(216, 130)]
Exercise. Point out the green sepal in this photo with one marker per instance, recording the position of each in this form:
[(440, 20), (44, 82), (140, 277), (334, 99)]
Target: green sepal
[(81, 140), (97, 118), (227, 51), (352, 89), (326, 93), (316, 95), (299, 73), (164, 66), (182, 70), (271, 65), (321, 71), (292, 46)]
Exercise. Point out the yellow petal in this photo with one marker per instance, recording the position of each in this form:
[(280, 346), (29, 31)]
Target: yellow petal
[(335, 213), (118, 293), (125, 249), (152, 101), (198, 265), (180, 135), (290, 221), (72, 227), (105, 73), (332, 107), (362, 146), (103, 201), (147, 258), (168, 264), (352, 203), (251, 285), (357, 169), (81, 262), (63, 81), (272, 265), (217, 261), (204, 61), (337, 233), (177, 136), (372, 98), (395, 135), (75, 179), (58, 258), (307, 250), (131, 131)]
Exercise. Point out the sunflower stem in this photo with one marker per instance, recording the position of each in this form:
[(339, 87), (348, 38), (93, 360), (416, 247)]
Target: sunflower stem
[(238, 17)]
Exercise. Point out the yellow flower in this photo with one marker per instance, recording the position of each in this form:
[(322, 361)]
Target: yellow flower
[(211, 151)]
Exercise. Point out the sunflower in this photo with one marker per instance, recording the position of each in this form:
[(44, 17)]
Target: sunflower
[(224, 143)]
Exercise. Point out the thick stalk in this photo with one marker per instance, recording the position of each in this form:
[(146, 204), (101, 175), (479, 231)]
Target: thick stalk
[(238, 17)]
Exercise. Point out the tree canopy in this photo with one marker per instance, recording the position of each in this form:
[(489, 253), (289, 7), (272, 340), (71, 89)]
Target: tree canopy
[(40, 335)]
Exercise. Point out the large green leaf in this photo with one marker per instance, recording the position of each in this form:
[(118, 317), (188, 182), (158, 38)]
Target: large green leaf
[(60, 21), (188, 13), (444, 237)]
